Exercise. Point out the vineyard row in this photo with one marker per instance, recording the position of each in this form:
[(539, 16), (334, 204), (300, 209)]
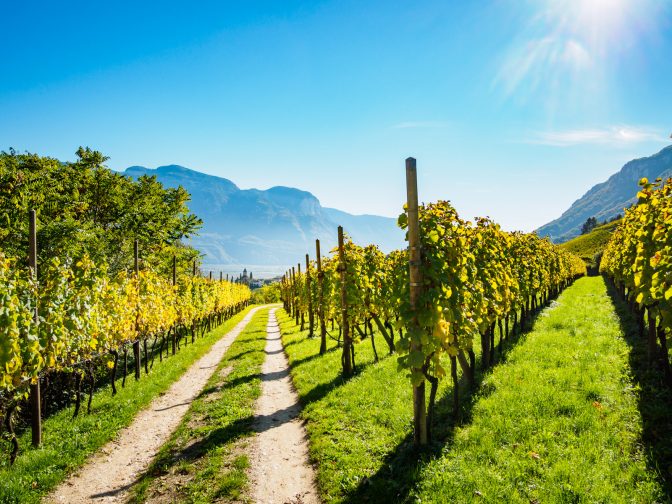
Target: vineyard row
[(638, 261), (77, 313), (458, 281)]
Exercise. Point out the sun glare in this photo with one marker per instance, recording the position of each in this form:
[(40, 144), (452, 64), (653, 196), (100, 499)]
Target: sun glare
[(568, 47), (602, 27)]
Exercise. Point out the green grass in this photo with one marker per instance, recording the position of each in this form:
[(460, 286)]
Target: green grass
[(654, 398), (352, 425), (556, 420), (205, 460), (67, 443), (586, 246)]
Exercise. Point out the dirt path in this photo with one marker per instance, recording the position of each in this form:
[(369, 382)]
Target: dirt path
[(109, 474), (280, 471)]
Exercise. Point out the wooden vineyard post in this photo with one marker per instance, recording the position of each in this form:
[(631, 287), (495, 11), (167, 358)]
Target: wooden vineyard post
[(295, 296), (221, 276), (209, 317), (290, 303), (311, 318), (346, 358), (136, 343), (320, 299), (419, 408), (298, 293), (35, 400), (290, 274), (173, 339), (193, 268), (283, 291), (288, 306)]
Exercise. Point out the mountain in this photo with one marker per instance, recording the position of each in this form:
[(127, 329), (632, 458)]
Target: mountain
[(608, 199), (275, 227)]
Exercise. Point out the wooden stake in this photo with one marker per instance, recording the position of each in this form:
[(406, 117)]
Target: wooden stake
[(320, 299), (35, 401), (293, 292), (289, 294), (346, 359), (420, 435), (295, 274), (173, 338), (311, 317), (297, 297), (136, 344)]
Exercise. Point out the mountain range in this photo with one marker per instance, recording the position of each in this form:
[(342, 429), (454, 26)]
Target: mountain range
[(273, 227), (278, 226), (606, 200)]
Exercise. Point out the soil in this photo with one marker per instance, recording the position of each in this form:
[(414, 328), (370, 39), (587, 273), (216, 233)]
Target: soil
[(280, 471), (109, 474)]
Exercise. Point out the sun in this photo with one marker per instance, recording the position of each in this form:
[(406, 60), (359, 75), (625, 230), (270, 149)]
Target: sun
[(569, 50), (602, 27)]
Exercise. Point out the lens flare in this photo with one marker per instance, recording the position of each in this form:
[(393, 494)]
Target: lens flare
[(574, 47), (603, 27)]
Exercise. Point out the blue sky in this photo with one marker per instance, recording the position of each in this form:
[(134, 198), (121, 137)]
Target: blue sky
[(512, 108)]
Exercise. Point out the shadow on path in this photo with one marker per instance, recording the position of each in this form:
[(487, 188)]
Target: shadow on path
[(654, 398), (298, 362)]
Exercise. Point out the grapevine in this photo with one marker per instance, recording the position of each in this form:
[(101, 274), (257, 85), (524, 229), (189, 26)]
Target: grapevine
[(476, 278), (638, 260), (84, 314)]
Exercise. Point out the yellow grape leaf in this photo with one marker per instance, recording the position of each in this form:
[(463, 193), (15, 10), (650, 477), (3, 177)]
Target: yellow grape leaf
[(638, 279)]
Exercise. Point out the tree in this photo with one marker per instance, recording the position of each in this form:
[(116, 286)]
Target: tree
[(589, 225), (85, 208)]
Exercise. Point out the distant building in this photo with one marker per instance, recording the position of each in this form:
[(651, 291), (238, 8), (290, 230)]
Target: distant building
[(249, 280)]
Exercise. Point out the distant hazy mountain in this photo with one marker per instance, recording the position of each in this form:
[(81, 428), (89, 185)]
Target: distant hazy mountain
[(608, 199), (277, 226)]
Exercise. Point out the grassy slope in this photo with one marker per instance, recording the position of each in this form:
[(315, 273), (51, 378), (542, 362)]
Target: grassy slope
[(586, 246), (556, 422), (68, 443), (204, 460)]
